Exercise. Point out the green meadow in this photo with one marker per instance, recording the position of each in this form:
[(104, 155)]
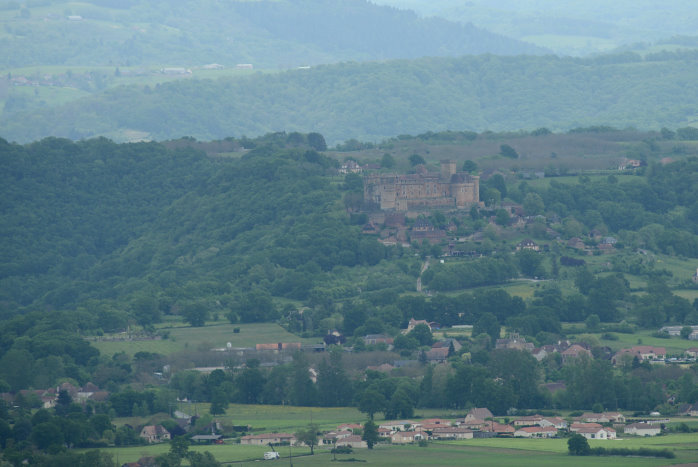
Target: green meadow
[(213, 335), (475, 452)]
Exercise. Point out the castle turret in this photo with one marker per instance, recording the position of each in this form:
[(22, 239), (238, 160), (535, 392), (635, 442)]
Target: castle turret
[(448, 168)]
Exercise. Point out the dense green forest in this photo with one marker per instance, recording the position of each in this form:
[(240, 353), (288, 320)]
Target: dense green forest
[(124, 218), (372, 101), (267, 34)]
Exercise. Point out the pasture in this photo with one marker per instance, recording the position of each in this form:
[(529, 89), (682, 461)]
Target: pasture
[(213, 335), (475, 452)]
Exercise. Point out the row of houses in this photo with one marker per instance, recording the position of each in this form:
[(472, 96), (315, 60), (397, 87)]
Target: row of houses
[(478, 423)]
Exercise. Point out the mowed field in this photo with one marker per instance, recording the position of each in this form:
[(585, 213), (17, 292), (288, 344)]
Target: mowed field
[(213, 335), (483, 452)]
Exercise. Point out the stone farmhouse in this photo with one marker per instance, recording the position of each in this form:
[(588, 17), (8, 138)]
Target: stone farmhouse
[(423, 190)]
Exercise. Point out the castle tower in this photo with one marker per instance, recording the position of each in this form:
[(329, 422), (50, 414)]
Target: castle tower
[(465, 189), (448, 168)]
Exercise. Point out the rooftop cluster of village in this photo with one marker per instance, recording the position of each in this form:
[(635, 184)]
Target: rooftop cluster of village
[(477, 423)]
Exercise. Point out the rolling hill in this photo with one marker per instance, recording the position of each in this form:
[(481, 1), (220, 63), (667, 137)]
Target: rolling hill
[(372, 101), (267, 34)]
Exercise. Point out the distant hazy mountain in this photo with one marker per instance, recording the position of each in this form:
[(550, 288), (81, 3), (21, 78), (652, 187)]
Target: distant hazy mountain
[(568, 26), (371, 101), (266, 33)]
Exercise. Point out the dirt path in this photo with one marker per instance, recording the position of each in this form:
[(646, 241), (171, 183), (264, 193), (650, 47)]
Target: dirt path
[(425, 266)]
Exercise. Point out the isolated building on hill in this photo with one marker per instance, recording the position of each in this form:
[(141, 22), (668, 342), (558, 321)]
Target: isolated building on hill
[(423, 190)]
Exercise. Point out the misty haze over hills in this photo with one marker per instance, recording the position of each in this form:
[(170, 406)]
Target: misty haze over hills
[(568, 26), (267, 34), (100, 67)]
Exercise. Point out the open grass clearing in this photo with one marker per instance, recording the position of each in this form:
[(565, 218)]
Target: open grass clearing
[(207, 337), (222, 452), (471, 455), (673, 345)]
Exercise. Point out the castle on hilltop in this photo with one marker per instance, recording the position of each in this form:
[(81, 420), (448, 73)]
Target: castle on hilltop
[(423, 190)]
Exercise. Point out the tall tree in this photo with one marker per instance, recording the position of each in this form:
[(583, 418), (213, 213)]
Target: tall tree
[(308, 436), (370, 434), (371, 402)]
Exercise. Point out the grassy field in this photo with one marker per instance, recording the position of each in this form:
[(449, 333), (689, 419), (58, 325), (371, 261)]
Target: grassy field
[(213, 335), (223, 452), (501, 452), (674, 345), (476, 452)]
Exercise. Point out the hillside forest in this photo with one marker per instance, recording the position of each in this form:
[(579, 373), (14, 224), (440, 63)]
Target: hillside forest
[(100, 237), (369, 101)]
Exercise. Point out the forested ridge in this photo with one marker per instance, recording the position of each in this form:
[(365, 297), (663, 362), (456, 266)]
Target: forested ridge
[(99, 220), (373, 101), (267, 34)]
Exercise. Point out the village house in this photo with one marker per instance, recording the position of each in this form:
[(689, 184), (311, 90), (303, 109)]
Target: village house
[(500, 429), (556, 422), (416, 322), (478, 413), (675, 331), (447, 343), (473, 423), (642, 429), (353, 441), (597, 433), (268, 438), (452, 432), (513, 341), (373, 339), (155, 434), (530, 420), (642, 352), (536, 432), (607, 243), (574, 352), (407, 437), (605, 417), (437, 355), (349, 427), (527, 244), (576, 243), (399, 425), (691, 352)]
